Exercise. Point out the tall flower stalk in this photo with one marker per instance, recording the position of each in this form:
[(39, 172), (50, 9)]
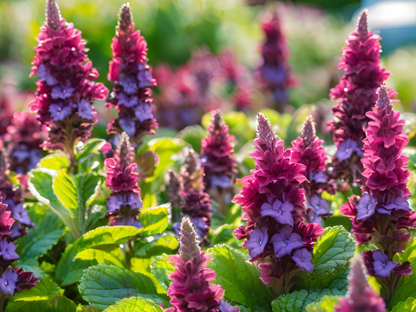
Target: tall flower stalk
[(192, 287), (66, 88), (187, 195), (308, 150), (360, 295), (217, 160), (382, 215), (273, 199), (356, 95), (275, 70), (124, 203), (132, 77), (11, 280)]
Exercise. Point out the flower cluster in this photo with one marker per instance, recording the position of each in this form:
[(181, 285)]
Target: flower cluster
[(273, 199), (275, 70), (360, 295), (26, 136), (124, 203), (12, 196), (308, 150), (186, 191), (217, 154), (66, 87), (192, 287), (194, 88), (356, 93), (382, 214), (11, 280), (132, 77)]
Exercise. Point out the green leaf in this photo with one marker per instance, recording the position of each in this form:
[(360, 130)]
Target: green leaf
[(240, 278), (103, 285), (40, 185), (326, 304), (155, 220), (58, 303), (46, 289), (331, 255), (55, 161), (135, 304), (47, 231), (89, 149), (66, 190), (193, 135), (298, 300), (408, 306), (70, 271), (406, 288), (161, 269)]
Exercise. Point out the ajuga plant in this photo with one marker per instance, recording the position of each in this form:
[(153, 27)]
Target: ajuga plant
[(124, 203), (132, 77), (382, 215), (12, 280), (275, 70), (360, 295), (356, 95), (187, 196), (26, 136), (192, 287), (12, 196), (308, 150), (66, 87), (272, 198), (217, 159)]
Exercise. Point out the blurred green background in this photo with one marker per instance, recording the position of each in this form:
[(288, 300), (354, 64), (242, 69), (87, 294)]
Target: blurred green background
[(316, 32)]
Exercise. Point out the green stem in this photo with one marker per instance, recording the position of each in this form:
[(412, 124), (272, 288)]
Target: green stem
[(3, 302)]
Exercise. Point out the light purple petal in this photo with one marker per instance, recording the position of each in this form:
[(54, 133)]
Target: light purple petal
[(382, 265), (280, 212), (62, 92), (143, 112), (346, 149), (257, 241), (85, 110), (302, 258), (129, 84), (222, 181), (128, 125), (7, 250), (123, 99), (366, 207), (59, 111), (399, 203), (8, 282), (318, 177), (286, 241), (45, 75)]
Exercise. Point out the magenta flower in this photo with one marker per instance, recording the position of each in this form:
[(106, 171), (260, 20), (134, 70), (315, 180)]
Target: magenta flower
[(11, 280), (26, 136), (66, 87), (217, 154), (360, 296), (275, 71), (124, 203), (192, 287), (308, 150), (356, 93), (383, 208), (132, 77), (188, 198), (273, 202)]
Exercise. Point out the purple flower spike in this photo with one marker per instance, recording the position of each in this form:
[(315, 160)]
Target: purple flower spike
[(303, 258), (62, 92), (286, 241), (85, 110), (366, 207), (7, 250), (59, 111), (143, 111), (8, 282), (382, 265), (129, 125), (346, 149), (127, 101), (281, 212), (257, 241)]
